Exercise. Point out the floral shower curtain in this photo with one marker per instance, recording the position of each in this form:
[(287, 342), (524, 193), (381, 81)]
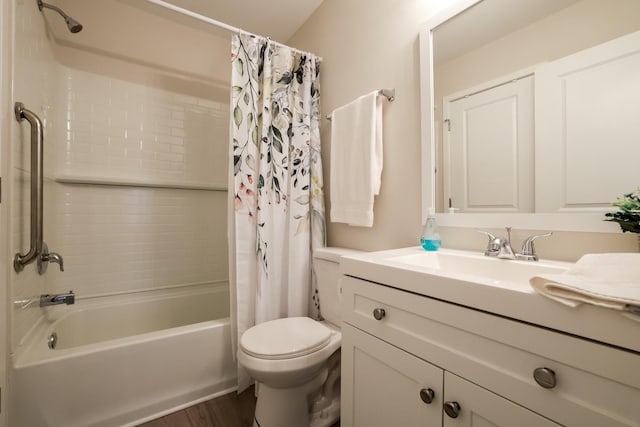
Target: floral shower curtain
[(276, 176)]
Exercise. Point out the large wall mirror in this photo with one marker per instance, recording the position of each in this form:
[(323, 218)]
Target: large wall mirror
[(530, 112)]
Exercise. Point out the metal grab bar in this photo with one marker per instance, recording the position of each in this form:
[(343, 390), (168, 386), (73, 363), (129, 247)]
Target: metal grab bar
[(35, 248)]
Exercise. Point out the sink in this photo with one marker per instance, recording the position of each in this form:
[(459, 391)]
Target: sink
[(475, 266)]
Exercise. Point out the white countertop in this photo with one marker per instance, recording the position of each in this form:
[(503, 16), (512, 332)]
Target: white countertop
[(516, 300)]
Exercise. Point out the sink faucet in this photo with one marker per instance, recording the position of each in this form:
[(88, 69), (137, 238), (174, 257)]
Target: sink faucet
[(500, 247), (56, 299)]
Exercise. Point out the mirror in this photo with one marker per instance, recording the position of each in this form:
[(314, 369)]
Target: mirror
[(478, 47)]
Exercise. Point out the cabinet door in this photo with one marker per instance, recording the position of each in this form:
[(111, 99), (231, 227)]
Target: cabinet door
[(385, 386), (478, 407)]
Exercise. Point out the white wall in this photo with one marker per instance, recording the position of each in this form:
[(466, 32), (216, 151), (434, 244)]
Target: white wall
[(372, 44)]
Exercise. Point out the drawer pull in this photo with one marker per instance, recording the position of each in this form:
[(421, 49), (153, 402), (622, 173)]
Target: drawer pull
[(427, 395), (378, 313), (452, 409), (545, 377)]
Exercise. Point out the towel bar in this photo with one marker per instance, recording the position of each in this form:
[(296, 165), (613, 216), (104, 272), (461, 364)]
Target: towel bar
[(390, 94)]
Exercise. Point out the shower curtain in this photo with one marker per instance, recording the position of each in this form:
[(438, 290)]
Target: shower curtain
[(276, 177)]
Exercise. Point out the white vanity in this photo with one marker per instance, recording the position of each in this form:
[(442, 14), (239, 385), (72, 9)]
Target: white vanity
[(453, 338)]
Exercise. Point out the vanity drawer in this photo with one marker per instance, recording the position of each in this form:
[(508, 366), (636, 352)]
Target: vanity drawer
[(596, 385)]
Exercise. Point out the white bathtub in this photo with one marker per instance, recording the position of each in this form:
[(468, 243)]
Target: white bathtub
[(123, 360)]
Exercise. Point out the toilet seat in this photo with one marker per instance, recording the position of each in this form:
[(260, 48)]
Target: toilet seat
[(285, 338)]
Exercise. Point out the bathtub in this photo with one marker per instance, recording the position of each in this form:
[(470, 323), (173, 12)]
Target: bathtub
[(125, 359)]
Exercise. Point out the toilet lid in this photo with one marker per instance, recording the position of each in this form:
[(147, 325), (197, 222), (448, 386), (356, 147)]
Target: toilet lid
[(285, 338)]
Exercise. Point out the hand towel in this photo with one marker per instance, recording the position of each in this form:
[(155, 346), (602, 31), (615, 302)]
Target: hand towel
[(356, 160), (606, 280)]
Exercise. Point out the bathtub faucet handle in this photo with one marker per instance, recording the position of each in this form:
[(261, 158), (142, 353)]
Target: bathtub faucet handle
[(46, 257), (56, 258)]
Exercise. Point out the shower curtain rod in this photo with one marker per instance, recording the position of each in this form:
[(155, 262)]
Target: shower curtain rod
[(219, 24)]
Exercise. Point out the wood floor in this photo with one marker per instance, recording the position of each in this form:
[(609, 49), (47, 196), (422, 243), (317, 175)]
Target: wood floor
[(230, 410)]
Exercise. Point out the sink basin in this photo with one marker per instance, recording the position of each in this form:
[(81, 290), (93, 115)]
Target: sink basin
[(468, 265)]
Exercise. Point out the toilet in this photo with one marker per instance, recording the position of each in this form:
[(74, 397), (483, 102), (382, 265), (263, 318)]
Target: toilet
[(296, 360)]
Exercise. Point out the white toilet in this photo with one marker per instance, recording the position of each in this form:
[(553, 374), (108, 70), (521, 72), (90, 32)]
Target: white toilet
[(296, 360)]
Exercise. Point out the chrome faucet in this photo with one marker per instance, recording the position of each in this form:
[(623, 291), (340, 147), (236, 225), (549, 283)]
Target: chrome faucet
[(500, 247), (46, 257), (56, 299), (528, 251)]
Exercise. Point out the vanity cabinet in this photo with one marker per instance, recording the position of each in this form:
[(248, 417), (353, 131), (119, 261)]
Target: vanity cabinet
[(406, 358), (385, 386)]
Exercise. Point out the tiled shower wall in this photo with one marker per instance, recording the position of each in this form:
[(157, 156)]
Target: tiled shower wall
[(127, 130), (118, 238), (158, 220)]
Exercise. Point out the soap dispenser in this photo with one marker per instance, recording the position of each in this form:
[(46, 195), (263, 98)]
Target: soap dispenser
[(430, 238)]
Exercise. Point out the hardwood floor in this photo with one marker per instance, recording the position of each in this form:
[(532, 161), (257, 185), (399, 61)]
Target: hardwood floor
[(230, 410)]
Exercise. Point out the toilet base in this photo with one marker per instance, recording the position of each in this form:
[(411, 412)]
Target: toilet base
[(286, 407)]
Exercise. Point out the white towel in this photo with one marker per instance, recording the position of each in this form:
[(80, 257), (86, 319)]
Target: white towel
[(356, 160), (606, 280)]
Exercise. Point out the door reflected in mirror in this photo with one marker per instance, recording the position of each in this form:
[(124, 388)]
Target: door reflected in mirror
[(536, 106)]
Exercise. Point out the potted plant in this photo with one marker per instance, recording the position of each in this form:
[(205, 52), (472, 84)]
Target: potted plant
[(628, 214)]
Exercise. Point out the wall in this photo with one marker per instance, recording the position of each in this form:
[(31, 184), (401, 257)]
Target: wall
[(367, 45), (135, 154), (147, 36), (577, 27)]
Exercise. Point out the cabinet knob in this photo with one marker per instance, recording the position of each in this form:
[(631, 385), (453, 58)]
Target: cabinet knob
[(378, 313), (427, 395), (545, 377), (452, 409)]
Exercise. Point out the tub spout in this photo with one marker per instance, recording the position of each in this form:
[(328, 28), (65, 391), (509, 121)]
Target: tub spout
[(56, 299)]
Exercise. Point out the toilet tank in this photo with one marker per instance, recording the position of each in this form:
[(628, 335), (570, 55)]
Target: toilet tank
[(326, 263)]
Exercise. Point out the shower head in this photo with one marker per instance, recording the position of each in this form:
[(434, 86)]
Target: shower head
[(74, 26)]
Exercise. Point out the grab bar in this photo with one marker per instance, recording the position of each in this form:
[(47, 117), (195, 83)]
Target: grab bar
[(37, 248)]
